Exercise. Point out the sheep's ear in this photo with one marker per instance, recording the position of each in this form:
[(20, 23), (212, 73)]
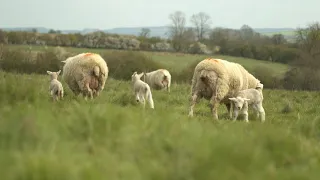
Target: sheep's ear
[(59, 72), (232, 99), (49, 72), (246, 99)]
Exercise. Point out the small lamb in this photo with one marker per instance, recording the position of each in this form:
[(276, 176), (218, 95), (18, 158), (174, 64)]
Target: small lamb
[(55, 88), (142, 90), (244, 98)]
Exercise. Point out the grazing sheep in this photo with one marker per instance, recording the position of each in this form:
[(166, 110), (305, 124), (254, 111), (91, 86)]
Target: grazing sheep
[(217, 80), (55, 88), (248, 97), (141, 90), (85, 73), (158, 79)]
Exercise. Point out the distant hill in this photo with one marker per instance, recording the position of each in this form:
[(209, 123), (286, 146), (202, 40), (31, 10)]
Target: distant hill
[(159, 31)]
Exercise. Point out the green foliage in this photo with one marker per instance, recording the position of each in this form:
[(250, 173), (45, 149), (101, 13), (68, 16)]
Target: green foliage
[(28, 61), (123, 64), (113, 137)]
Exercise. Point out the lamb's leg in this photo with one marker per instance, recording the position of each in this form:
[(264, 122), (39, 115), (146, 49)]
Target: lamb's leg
[(194, 99), (235, 114), (150, 100), (256, 109), (245, 111), (262, 112), (230, 109)]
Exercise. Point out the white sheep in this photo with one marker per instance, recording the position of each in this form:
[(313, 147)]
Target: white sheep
[(245, 98), (158, 79), (55, 88), (217, 80), (141, 90), (85, 73)]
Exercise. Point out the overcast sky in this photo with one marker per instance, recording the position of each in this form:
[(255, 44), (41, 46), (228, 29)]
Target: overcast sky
[(105, 14)]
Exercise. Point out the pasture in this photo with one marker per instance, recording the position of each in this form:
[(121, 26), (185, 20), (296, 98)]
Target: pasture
[(111, 137)]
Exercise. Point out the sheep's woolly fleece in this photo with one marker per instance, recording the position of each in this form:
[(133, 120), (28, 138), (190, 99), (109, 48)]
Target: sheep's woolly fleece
[(79, 67), (230, 77), (155, 78)]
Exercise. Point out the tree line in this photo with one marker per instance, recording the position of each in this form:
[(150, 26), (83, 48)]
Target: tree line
[(201, 38)]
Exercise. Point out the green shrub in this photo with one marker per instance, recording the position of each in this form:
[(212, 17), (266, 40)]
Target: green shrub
[(267, 76), (27, 61), (123, 64)]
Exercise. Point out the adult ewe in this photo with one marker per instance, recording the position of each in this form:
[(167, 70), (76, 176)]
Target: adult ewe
[(85, 73), (217, 80), (158, 79)]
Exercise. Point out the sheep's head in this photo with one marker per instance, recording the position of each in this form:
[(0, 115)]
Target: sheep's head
[(238, 102), (135, 76), (54, 75)]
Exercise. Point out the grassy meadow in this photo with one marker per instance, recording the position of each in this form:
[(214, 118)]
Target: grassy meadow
[(112, 137)]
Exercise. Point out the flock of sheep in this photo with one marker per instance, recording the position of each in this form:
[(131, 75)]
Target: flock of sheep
[(217, 80)]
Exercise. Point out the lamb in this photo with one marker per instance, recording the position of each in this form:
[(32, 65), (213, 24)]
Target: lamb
[(85, 73), (248, 97), (141, 90), (55, 88), (217, 80), (158, 79)]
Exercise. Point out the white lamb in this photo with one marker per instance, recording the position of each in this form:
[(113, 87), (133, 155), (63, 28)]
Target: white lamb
[(158, 79), (217, 80), (248, 97), (141, 90), (55, 88)]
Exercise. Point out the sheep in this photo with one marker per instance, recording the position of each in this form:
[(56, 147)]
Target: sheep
[(55, 88), (217, 80), (141, 90), (85, 73), (158, 79), (248, 97)]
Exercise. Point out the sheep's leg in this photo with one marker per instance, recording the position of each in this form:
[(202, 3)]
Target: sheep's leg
[(194, 99), (215, 104), (89, 90)]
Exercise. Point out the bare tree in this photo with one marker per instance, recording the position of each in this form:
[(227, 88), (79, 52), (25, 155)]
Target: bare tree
[(177, 29), (145, 32), (278, 39), (308, 38), (201, 23)]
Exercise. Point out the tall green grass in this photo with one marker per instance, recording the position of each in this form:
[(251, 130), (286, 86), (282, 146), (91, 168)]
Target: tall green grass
[(112, 137)]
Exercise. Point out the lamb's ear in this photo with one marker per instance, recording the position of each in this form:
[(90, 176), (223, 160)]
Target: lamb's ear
[(49, 72), (59, 72), (246, 99), (64, 61), (140, 75), (232, 99)]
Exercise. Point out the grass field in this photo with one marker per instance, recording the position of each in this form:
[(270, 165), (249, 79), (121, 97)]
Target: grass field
[(111, 137)]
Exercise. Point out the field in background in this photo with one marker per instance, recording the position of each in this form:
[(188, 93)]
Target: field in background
[(178, 61), (112, 137)]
